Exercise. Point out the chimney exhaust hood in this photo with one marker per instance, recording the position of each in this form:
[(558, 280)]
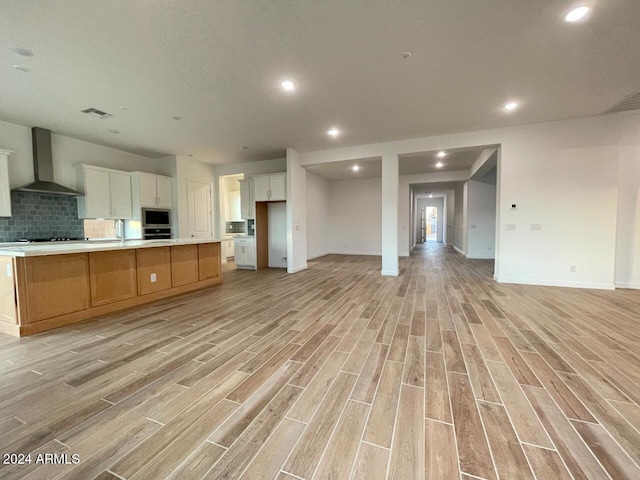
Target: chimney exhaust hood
[(43, 167)]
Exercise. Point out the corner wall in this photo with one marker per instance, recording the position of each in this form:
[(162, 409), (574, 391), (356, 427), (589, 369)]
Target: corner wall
[(355, 216), (318, 220), (481, 220)]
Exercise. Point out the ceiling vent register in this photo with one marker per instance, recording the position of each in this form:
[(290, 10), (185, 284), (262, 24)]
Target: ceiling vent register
[(94, 112), (627, 104)]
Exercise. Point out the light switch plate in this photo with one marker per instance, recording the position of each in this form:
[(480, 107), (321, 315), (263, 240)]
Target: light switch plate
[(536, 226), (8, 269), (153, 278), (510, 226)]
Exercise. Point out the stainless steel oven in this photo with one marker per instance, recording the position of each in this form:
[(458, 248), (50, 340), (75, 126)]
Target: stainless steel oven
[(156, 218)]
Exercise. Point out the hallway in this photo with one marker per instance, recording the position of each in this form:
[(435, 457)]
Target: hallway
[(337, 372)]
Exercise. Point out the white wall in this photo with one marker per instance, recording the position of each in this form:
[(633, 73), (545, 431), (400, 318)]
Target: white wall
[(355, 217), (458, 217), (296, 213), (437, 202), (561, 174), (481, 220), (318, 214), (449, 209), (67, 152), (627, 271)]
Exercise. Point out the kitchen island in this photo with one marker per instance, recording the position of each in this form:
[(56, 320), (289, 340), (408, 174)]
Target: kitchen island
[(43, 287)]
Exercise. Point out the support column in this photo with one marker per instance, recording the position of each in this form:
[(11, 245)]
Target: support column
[(390, 182), (296, 213)]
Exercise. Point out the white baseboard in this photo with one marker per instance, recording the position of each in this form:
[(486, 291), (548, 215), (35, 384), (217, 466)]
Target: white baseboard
[(459, 251), (298, 269), (403, 254), (389, 273), (481, 258), (318, 255), (634, 286), (555, 283)]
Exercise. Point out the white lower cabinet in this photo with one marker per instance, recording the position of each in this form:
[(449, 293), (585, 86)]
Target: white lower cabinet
[(245, 252)]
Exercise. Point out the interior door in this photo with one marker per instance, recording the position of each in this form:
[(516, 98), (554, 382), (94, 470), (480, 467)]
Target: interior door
[(199, 209), (277, 235)]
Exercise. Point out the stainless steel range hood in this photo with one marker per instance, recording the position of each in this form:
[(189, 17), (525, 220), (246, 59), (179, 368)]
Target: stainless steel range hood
[(43, 167)]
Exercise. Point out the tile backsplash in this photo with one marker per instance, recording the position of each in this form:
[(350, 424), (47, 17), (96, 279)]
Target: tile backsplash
[(234, 227), (40, 215)]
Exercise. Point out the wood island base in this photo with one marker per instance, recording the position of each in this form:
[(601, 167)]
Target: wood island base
[(50, 291)]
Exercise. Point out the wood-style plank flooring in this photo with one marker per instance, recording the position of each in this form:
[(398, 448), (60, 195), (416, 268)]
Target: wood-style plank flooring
[(336, 372)]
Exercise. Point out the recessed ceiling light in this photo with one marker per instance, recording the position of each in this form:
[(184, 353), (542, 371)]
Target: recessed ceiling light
[(430, 196), (577, 14), (21, 68), (355, 168), (442, 154), (333, 132), (511, 106), (176, 117), (113, 130), (439, 165), (122, 107), (406, 54), (245, 148), (25, 52), (288, 86), (190, 155)]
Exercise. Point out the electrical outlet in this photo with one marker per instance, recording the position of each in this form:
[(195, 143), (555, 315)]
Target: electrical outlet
[(572, 268), (536, 226), (153, 278), (510, 226), (8, 269)]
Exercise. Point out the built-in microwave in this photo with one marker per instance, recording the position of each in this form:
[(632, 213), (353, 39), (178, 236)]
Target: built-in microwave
[(156, 217)]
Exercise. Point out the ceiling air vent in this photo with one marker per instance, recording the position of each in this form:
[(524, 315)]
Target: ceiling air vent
[(632, 102), (94, 112)]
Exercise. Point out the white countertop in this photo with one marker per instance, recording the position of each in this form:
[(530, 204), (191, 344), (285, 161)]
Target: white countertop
[(55, 248)]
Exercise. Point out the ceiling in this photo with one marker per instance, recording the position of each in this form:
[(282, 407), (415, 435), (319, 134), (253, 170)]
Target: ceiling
[(219, 65), (437, 189), (343, 170), (454, 160)]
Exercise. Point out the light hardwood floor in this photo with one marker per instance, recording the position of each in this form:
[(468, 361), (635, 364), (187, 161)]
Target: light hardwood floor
[(337, 372)]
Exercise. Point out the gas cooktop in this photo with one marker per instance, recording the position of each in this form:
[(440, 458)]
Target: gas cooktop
[(56, 239)]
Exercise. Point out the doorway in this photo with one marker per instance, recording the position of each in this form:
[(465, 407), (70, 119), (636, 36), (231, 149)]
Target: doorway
[(430, 224)]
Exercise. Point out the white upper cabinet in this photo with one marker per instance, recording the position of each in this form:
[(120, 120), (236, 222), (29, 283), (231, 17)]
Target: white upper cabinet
[(148, 190), (120, 186), (155, 190), (278, 187), (5, 194), (246, 199), (163, 187), (235, 207), (270, 187), (261, 189), (107, 193)]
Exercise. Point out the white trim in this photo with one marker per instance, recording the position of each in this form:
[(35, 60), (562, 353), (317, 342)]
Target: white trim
[(459, 251), (389, 273), (481, 258), (495, 277), (633, 285), (296, 270), (555, 283), (403, 254), (319, 255)]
